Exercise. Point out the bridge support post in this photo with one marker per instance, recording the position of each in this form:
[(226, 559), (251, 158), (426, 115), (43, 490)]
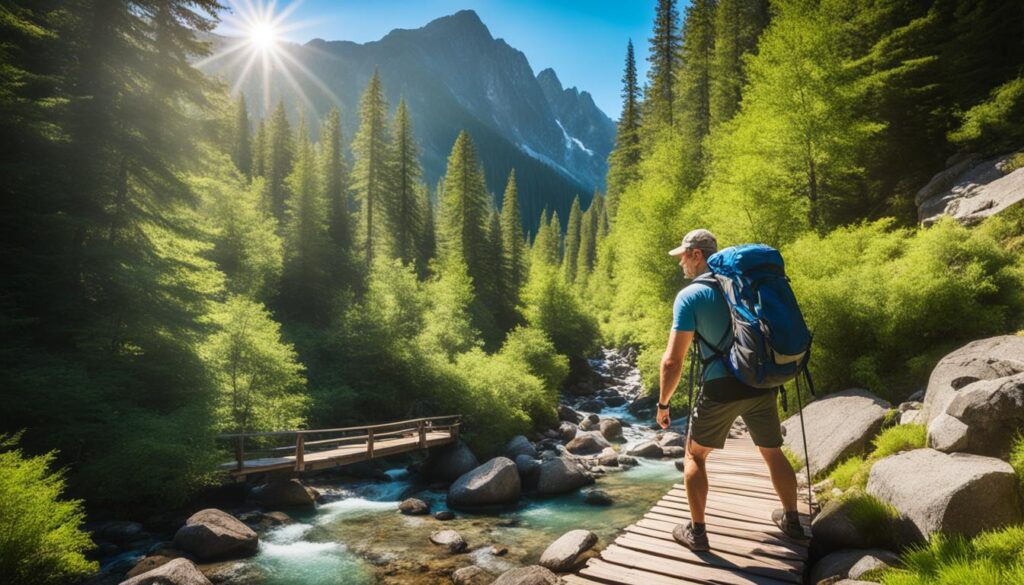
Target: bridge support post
[(300, 451), (239, 455), (423, 434), (369, 443)]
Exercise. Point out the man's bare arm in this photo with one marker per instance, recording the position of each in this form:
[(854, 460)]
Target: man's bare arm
[(672, 362)]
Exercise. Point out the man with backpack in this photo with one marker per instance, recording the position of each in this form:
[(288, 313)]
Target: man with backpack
[(701, 310)]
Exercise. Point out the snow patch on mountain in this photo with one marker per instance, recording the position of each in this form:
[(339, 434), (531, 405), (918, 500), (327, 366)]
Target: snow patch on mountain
[(571, 141)]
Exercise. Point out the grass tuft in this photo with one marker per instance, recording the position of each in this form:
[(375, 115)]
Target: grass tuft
[(996, 556), (795, 460), (899, 438), (1017, 457)]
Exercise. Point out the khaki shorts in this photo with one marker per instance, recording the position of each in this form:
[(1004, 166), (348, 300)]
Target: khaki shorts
[(712, 420)]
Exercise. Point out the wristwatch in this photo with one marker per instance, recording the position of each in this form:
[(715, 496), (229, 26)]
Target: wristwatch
[(662, 406)]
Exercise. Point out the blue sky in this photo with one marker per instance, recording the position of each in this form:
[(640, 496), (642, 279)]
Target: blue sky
[(583, 41)]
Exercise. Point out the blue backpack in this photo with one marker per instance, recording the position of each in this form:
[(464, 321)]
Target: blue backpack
[(771, 342)]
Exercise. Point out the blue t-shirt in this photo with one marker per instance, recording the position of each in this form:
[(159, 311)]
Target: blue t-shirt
[(701, 308)]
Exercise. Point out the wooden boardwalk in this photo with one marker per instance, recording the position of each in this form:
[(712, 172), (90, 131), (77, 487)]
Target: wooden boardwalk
[(746, 547), (314, 449)]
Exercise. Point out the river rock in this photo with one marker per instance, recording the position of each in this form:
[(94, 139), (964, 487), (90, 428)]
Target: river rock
[(947, 434), (150, 562), (567, 431), (598, 498), (491, 484), (532, 575), (212, 534), (444, 515), (593, 405), (563, 554), (609, 458), (611, 428), (984, 359), (672, 439), (650, 449), (449, 539), (953, 494), (449, 462), (591, 422), (838, 565), (992, 411), (975, 193), (628, 461), (520, 445), (673, 452), (529, 471), (285, 493), (414, 507), (615, 400), (471, 575), (567, 414), (838, 426), (558, 476), (178, 571), (587, 443), (642, 405)]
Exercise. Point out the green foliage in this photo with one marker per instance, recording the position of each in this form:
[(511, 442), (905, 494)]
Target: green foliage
[(875, 298), (404, 216), (994, 124), (570, 260), (551, 306), (257, 375), (693, 87), (41, 541), (853, 472), (624, 160), (532, 347), (738, 25), (996, 556), (371, 177), (796, 461), (279, 157), (1017, 457)]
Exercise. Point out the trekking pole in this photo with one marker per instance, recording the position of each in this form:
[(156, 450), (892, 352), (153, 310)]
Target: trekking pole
[(689, 405), (803, 436)]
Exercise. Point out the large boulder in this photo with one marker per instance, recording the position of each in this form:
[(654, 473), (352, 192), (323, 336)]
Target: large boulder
[(947, 434), (520, 445), (953, 494), (587, 443), (567, 431), (284, 493), (611, 428), (992, 411), (564, 554), (529, 471), (615, 400), (591, 422), (851, 563), (152, 561), (649, 449), (838, 425), (984, 359), (559, 475), (176, 572), (532, 575), (494, 483), (593, 405), (449, 462), (567, 414), (471, 575), (212, 534), (672, 439), (970, 191)]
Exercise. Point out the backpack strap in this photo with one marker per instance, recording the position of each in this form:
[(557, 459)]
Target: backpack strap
[(712, 283)]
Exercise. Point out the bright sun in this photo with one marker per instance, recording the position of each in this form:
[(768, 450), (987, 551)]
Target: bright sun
[(263, 36)]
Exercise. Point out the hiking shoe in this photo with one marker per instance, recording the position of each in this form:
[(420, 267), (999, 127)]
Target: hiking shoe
[(696, 542), (791, 528)]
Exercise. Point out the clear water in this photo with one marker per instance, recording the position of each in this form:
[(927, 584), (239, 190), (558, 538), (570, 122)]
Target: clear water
[(362, 538)]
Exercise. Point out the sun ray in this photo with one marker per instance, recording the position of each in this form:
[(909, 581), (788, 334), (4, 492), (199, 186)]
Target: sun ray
[(276, 56), (244, 75), (311, 76)]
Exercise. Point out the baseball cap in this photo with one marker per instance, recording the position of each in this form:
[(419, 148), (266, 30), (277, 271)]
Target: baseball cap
[(702, 239)]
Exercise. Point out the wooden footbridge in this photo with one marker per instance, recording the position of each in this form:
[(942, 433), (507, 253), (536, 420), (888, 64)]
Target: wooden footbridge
[(746, 547), (314, 449)]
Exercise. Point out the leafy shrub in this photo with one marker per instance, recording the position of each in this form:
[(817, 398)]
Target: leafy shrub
[(795, 460), (530, 346), (853, 472), (1017, 457), (879, 299), (991, 557), (40, 542), (552, 307), (872, 517)]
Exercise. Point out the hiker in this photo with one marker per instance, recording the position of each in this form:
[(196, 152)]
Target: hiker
[(701, 310)]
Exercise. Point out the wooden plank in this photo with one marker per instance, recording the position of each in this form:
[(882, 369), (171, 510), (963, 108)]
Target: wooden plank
[(740, 511), (612, 573), (788, 551), (716, 511), (753, 504), (732, 546), (663, 566), (751, 535), (720, 520), (716, 558), (577, 580)]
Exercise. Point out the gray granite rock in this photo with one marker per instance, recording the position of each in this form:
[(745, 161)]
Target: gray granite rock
[(178, 571), (838, 426), (531, 575), (471, 575), (414, 507), (649, 449), (520, 445), (212, 534), (984, 359), (449, 539), (493, 483), (563, 554), (449, 462), (561, 475), (947, 434), (587, 443)]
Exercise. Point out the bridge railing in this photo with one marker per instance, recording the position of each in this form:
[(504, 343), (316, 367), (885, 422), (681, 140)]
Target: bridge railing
[(273, 447)]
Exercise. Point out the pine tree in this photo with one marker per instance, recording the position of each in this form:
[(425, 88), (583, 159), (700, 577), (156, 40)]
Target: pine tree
[(541, 242), (403, 209), (278, 165), (588, 238), (495, 289), (512, 243), (659, 97), (305, 280), (694, 87), (570, 259), (624, 160), (241, 152), (738, 26), (464, 209), (371, 177), (426, 245), (334, 174), (259, 150)]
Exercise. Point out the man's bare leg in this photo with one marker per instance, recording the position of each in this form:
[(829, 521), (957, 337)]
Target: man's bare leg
[(696, 479), (783, 476)]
